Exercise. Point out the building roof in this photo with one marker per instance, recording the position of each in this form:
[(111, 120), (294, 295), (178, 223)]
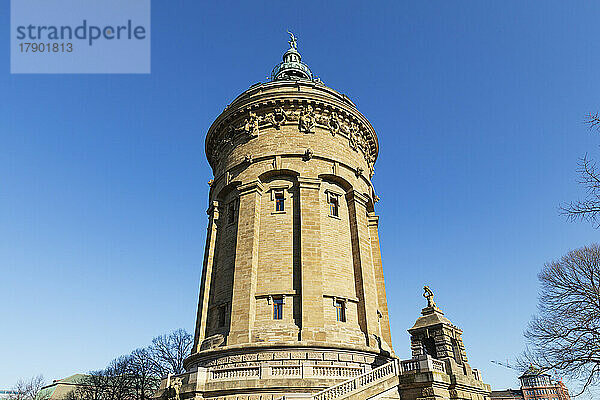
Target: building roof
[(533, 371), (430, 316), (506, 394), (59, 387)]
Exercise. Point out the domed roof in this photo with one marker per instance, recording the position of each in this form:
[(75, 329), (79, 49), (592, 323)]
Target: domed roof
[(292, 67)]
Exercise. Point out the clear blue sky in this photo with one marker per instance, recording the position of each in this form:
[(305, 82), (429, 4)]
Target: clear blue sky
[(478, 106)]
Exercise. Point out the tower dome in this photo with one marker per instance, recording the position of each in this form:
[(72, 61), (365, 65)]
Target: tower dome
[(292, 67)]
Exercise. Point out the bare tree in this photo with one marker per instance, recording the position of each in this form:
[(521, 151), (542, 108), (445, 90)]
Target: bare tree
[(145, 380), (587, 209), (593, 121), (29, 389), (565, 335), (119, 379), (137, 376), (93, 386), (169, 351)]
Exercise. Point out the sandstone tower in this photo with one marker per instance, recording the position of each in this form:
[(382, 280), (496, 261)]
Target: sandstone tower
[(292, 269), (292, 297)]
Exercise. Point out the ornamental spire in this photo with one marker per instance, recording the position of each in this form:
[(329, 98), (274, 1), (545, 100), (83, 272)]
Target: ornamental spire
[(292, 67)]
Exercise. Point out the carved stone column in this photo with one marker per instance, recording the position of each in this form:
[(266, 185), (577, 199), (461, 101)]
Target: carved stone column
[(246, 262), (209, 253), (363, 267), (310, 260)]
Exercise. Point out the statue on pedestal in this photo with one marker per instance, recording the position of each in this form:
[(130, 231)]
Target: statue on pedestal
[(429, 296)]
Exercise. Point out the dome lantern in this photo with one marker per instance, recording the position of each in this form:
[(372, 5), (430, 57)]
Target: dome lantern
[(292, 67)]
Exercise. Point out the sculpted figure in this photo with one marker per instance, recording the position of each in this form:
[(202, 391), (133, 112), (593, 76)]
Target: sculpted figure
[(293, 41), (176, 384), (334, 124), (353, 137), (307, 120), (251, 124), (278, 117), (429, 296)]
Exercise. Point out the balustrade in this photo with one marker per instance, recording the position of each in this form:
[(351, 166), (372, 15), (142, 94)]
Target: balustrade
[(358, 382)]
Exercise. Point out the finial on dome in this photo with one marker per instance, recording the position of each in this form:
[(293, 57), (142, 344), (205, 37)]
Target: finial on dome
[(293, 41), (292, 67)]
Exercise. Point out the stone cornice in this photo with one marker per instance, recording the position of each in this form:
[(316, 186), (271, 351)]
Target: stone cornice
[(251, 187), (309, 183)]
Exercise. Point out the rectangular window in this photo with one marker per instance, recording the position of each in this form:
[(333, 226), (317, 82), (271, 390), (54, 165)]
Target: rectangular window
[(222, 315), (334, 205), (340, 308), (278, 307), (279, 201)]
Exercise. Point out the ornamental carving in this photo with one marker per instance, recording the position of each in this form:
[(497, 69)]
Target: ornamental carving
[(306, 121), (247, 125), (308, 154), (426, 392), (175, 388), (278, 117), (352, 133), (251, 126), (334, 124)]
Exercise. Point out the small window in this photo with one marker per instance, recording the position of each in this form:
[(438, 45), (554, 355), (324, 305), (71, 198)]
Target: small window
[(231, 213), (278, 307), (222, 315), (334, 205), (456, 351), (340, 308), (279, 201)]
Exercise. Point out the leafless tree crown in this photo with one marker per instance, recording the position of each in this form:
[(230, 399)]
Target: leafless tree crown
[(28, 389), (169, 351), (565, 335), (587, 209), (136, 376)]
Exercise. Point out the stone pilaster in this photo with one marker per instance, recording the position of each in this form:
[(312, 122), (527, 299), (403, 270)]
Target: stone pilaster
[(384, 319), (310, 260), (363, 267), (209, 253), (246, 262)]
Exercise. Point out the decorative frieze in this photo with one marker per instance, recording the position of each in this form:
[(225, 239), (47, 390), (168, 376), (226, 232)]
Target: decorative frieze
[(246, 125)]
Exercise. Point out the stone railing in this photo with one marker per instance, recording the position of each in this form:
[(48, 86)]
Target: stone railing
[(235, 373), (409, 365), (438, 365), (335, 371), (361, 381), (422, 365), (284, 371)]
